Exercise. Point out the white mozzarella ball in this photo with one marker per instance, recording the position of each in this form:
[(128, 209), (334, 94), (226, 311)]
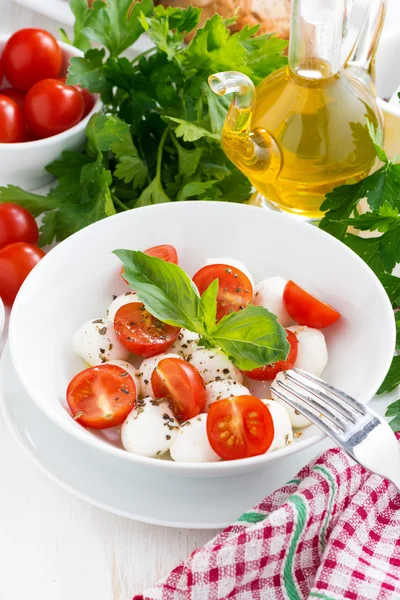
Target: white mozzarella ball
[(146, 370), (214, 365), (312, 353), (96, 342), (283, 433), (231, 262), (186, 343), (133, 372), (191, 443), (297, 419), (121, 301), (225, 388), (149, 429), (269, 294)]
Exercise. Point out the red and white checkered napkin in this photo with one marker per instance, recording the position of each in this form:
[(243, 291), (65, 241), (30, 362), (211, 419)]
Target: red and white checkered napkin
[(331, 533)]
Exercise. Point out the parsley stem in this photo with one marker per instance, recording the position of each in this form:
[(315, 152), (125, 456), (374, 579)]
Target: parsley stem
[(118, 202), (160, 153), (142, 54)]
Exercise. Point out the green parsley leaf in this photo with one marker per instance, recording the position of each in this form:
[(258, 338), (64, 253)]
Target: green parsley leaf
[(189, 131), (103, 131), (368, 250), (208, 305), (392, 288), (252, 336), (164, 288), (80, 9), (194, 189), (116, 24), (88, 72), (376, 135), (392, 379), (35, 203)]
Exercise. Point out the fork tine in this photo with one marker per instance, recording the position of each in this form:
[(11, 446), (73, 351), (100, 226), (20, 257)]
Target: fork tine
[(355, 404), (321, 395), (304, 410), (325, 412)]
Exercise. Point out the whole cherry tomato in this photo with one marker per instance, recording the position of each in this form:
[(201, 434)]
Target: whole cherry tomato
[(16, 225), (12, 124), (29, 56), (16, 262), (52, 107)]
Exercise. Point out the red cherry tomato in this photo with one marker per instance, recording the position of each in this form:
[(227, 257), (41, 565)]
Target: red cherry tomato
[(1, 71), (235, 289), (165, 251), (269, 372), (182, 384), (29, 56), (88, 100), (307, 310), (14, 94), (52, 107), (12, 124), (141, 333), (101, 397), (16, 225), (239, 427), (16, 262)]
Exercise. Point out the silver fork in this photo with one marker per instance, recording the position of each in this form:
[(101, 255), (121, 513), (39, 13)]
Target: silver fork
[(358, 430)]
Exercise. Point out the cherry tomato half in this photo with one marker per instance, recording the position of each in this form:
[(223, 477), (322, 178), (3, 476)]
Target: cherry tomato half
[(16, 262), (16, 225), (101, 397), (239, 427), (165, 251), (12, 124), (52, 107), (235, 289), (307, 310), (182, 384), (14, 94), (269, 372), (141, 333), (29, 56)]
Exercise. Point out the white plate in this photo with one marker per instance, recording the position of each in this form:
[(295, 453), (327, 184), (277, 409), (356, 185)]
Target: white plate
[(126, 489), (59, 10)]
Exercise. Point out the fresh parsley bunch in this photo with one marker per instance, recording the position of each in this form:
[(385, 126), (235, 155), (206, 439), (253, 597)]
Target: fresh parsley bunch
[(251, 337), (381, 252), (158, 137)]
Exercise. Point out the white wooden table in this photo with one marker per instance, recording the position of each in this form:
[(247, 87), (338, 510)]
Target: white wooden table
[(54, 546)]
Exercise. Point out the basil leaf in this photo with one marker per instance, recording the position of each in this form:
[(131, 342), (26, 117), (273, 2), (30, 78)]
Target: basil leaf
[(252, 337), (208, 305), (164, 288)]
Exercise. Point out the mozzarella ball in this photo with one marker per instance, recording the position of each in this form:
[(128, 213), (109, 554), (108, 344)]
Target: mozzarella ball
[(214, 365), (283, 433), (191, 443), (231, 262), (225, 388), (133, 372), (96, 342), (146, 370), (121, 301), (185, 343), (149, 429), (269, 294), (312, 353)]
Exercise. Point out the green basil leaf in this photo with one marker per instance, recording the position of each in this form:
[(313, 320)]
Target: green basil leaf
[(252, 337), (208, 305), (165, 289)]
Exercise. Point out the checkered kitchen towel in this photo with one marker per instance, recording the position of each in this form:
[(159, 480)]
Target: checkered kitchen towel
[(331, 533)]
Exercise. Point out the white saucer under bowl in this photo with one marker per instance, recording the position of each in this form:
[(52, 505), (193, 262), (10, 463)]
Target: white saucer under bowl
[(126, 489)]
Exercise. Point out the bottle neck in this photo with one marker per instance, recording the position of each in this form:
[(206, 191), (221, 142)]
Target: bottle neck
[(316, 34)]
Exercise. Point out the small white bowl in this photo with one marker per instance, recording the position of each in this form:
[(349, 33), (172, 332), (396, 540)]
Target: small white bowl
[(24, 163), (76, 280)]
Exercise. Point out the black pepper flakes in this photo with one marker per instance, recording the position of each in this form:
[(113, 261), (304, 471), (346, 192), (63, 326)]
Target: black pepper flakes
[(167, 437), (98, 321), (238, 290), (226, 371), (124, 390), (102, 351)]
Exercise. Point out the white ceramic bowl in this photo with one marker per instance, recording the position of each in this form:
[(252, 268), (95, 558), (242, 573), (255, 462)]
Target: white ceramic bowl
[(24, 163), (76, 280)]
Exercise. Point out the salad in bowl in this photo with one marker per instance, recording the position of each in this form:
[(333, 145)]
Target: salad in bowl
[(174, 361), (183, 365)]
